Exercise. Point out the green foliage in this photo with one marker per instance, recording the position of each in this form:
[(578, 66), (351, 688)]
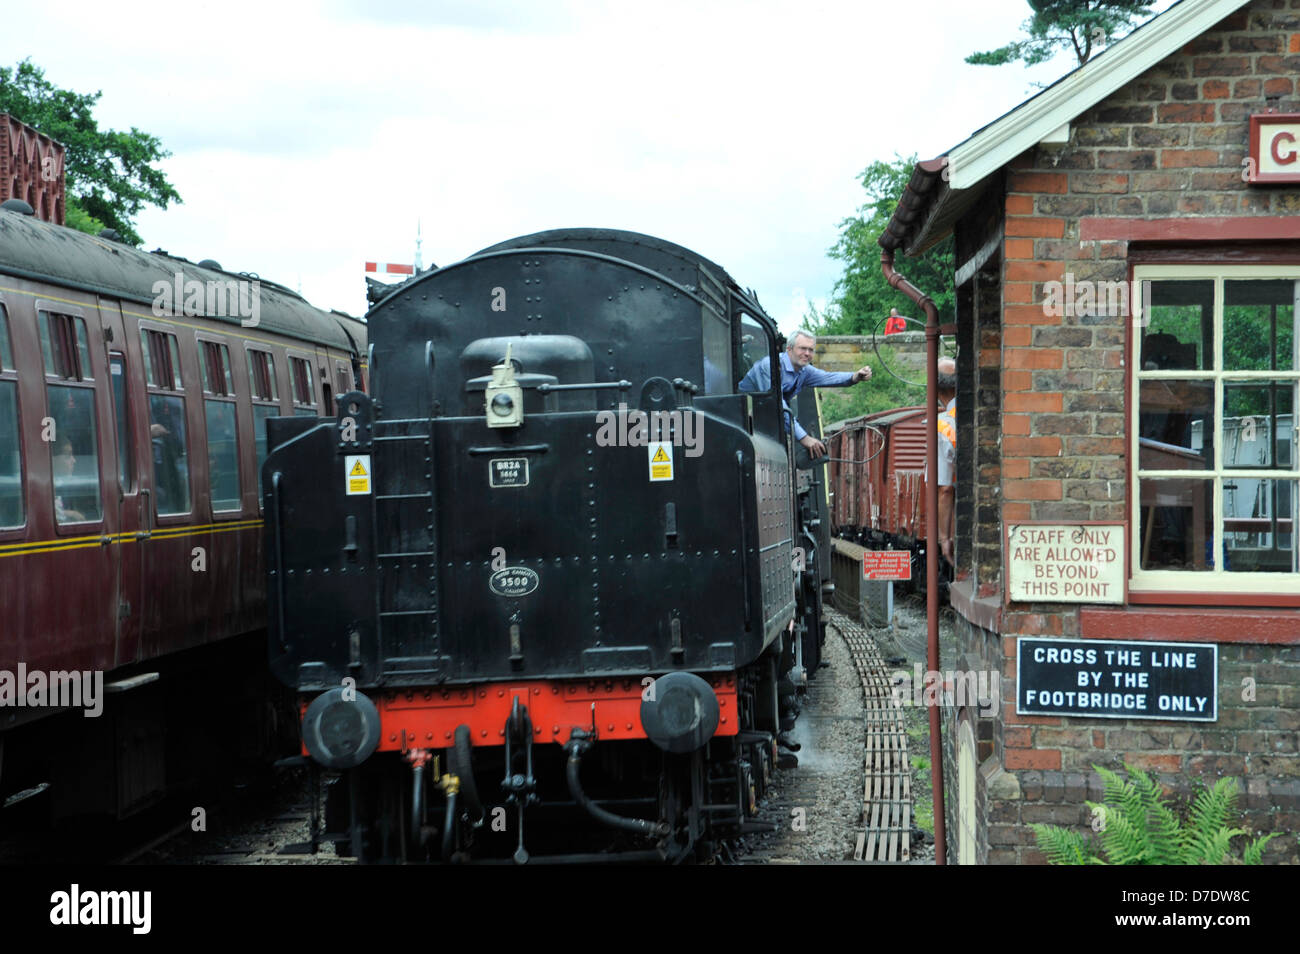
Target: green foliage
[(1080, 25), (75, 217), (918, 741), (1062, 846), (862, 298), (1254, 339), (1139, 828), (110, 174)]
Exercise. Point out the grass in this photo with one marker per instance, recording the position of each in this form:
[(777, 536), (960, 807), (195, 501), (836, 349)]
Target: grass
[(918, 750)]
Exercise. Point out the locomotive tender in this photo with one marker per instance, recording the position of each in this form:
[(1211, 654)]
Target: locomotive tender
[(131, 432), (522, 623)]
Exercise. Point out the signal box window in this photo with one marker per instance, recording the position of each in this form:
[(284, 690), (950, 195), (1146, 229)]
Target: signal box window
[(171, 464), (12, 509), (1215, 393), (304, 403), (219, 411), (74, 447)]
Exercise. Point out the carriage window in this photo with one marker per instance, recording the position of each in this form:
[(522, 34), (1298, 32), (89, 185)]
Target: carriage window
[(74, 454), (327, 393), (216, 369), (64, 346), (223, 453), (12, 509), (125, 450), (167, 437), (170, 453), (261, 372), (344, 376), (717, 353), (219, 413), (162, 362), (303, 395), (11, 465), (6, 352)]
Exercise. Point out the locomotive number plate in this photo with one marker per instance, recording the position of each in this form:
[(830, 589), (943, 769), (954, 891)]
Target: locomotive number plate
[(508, 472), (513, 581)]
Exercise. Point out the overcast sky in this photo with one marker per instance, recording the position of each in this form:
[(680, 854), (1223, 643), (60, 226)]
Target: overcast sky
[(308, 138)]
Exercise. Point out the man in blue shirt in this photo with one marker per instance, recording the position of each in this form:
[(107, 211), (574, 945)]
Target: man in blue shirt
[(798, 373)]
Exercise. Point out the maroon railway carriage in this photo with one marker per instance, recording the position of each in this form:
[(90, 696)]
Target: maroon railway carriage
[(133, 393), (877, 478)]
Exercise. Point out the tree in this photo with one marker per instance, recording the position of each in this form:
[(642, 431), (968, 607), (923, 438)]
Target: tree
[(1081, 25), (861, 299), (110, 174)]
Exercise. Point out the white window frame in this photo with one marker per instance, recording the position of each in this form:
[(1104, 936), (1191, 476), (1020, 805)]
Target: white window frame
[(1215, 579)]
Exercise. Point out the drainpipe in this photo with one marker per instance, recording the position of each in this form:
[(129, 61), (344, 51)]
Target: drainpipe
[(900, 283)]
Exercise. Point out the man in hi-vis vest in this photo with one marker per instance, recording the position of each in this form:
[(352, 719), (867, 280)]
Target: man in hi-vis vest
[(947, 424)]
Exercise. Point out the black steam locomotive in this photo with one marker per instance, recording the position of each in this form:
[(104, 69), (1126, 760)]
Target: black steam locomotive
[(553, 588)]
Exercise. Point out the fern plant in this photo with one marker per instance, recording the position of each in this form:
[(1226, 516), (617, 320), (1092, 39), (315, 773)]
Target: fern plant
[(1138, 827)]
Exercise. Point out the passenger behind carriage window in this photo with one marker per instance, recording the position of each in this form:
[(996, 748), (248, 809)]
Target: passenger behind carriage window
[(797, 373), (76, 484), (170, 460), (166, 422), (70, 393)]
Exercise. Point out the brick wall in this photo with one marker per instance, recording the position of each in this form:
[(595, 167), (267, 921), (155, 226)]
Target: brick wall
[(1171, 143), (1052, 446), (850, 352), (980, 465), (31, 169), (1049, 761)]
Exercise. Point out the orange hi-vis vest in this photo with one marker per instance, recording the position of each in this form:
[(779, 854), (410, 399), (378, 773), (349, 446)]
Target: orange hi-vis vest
[(947, 423)]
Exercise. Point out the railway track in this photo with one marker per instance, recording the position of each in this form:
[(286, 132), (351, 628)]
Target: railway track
[(887, 770), (850, 797)]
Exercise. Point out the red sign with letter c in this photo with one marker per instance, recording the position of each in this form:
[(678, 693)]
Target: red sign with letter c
[(1278, 157)]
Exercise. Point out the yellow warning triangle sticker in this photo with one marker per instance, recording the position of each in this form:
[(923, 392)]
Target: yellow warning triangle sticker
[(357, 470), (660, 457)]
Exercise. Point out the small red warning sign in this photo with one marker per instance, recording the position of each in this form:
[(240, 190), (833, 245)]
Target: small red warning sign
[(886, 565)]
